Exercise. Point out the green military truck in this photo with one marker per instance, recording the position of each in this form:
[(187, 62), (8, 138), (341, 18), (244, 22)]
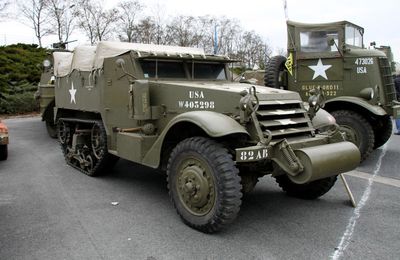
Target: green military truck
[(176, 109), (357, 82), (45, 92)]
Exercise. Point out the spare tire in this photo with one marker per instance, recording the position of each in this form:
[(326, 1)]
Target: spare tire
[(274, 71)]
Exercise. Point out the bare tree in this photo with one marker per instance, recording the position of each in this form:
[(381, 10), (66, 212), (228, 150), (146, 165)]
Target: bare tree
[(95, 21), (3, 8), (145, 31), (128, 11), (180, 31), (252, 50), (62, 20), (35, 16)]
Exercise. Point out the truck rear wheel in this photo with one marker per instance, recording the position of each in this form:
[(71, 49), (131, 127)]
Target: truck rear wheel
[(3, 152), (274, 72), (309, 191), (383, 131), (204, 184), (357, 129)]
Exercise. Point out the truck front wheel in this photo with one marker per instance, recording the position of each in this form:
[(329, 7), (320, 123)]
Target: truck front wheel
[(382, 131), (309, 191), (204, 184), (357, 129)]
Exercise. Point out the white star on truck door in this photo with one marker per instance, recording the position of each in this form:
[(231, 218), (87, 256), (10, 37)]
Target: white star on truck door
[(72, 92), (320, 69)]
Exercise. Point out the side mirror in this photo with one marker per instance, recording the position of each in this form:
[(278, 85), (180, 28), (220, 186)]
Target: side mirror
[(120, 63), (331, 41)]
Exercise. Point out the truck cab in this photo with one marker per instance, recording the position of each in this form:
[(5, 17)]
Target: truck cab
[(357, 82)]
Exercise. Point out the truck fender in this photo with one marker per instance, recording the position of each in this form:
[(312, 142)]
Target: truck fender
[(338, 102), (212, 123)]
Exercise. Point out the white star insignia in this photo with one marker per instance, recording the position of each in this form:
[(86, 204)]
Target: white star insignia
[(320, 69), (72, 92)]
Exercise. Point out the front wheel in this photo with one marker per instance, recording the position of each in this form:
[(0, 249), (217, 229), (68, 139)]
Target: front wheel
[(383, 131), (309, 191), (357, 129), (204, 184), (3, 152)]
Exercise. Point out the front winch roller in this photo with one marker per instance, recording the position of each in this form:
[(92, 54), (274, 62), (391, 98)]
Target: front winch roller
[(326, 160)]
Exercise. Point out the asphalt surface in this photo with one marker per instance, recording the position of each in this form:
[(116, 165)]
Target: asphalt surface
[(49, 210)]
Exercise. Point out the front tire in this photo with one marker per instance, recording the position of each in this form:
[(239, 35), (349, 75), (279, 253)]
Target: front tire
[(309, 191), (357, 129), (3, 152), (204, 184), (383, 131)]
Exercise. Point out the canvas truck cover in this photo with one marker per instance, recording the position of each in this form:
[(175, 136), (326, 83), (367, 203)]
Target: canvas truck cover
[(62, 63), (83, 58), (87, 58), (111, 49)]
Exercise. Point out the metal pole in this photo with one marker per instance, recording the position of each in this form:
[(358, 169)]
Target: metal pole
[(215, 40), (348, 191)]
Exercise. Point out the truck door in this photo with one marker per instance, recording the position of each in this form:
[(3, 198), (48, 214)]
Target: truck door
[(319, 62)]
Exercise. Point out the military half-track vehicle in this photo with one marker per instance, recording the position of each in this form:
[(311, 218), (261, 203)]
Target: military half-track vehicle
[(174, 108), (357, 82), (45, 92)]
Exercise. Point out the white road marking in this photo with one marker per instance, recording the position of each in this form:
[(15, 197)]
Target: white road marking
[(379, 179), (346, 238)]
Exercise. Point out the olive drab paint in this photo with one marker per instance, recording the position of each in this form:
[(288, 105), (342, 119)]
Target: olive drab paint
[(357, 82), (176, 109)]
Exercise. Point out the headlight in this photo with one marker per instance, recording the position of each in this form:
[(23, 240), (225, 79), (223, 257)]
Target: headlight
[(367, 93), (46, 63), (312, 101)]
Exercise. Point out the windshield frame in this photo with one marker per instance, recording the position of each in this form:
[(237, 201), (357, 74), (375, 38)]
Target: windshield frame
[(357, 33), (189, 66)]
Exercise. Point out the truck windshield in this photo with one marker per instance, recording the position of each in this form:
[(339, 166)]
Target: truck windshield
[(317, 41), (183, 70), (211, 71), (354, 36)]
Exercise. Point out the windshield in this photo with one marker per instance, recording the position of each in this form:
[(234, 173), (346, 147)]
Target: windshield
[(317, 41), (354, 36), (183, 70)]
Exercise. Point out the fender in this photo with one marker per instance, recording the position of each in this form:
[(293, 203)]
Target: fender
[(355, 101), (214, 124)]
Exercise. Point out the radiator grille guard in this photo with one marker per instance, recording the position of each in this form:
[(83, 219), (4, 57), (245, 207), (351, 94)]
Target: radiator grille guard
[(387, 81), (284, 119)]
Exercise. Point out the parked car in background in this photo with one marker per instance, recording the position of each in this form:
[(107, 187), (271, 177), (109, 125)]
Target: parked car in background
[(3, 141)]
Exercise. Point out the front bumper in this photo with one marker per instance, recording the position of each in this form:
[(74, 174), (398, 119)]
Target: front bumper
[(306, 160)]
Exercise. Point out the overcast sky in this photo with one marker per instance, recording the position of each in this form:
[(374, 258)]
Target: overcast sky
[(380, 19)]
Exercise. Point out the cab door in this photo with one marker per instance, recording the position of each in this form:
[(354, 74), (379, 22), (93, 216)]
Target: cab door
[(319, 62)]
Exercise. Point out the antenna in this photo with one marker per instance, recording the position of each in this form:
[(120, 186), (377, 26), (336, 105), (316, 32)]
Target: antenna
[(285, 9)]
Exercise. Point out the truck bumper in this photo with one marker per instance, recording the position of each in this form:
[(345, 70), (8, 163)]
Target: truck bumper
[(305, 164)]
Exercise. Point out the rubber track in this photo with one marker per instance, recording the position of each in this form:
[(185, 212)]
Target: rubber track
[(102, 162)]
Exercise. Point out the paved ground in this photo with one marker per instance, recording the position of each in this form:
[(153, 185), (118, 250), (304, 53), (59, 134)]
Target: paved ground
[(48, 210)]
